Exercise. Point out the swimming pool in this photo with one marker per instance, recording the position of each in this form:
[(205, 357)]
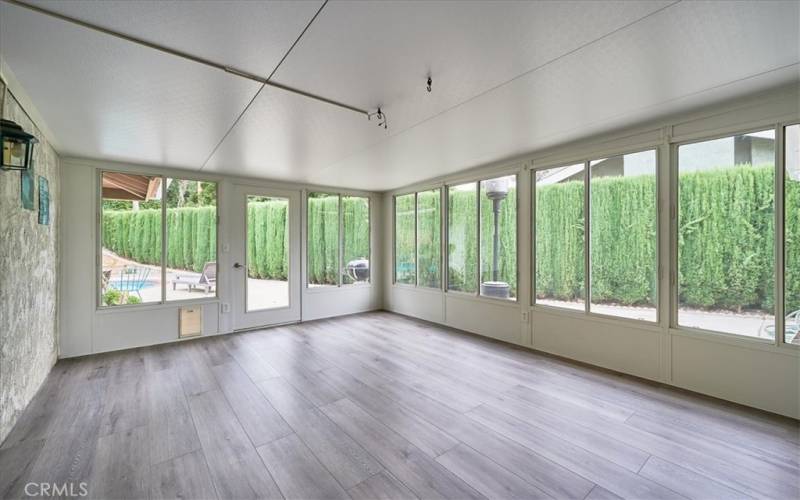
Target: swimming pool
[(132, 286)]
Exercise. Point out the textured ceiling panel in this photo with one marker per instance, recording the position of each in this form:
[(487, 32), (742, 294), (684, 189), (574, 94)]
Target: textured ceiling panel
[(249, 35), (289, 137), (106, 98), (509, 78), (371, 54), (380, 53), (639, 73)]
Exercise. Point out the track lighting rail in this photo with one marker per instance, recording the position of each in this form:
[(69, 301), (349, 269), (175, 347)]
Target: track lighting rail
[(185, 55)]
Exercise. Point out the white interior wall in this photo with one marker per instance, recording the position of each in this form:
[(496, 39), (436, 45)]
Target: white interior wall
[(742, 370), (87, 329)]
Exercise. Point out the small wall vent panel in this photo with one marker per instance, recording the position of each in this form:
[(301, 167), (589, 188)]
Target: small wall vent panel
[(191, 323)]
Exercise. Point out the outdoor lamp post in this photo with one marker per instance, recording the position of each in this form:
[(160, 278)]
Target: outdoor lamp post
[(17, 146), (497, 191)]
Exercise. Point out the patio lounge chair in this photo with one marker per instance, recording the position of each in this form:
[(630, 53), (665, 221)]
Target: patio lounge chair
[(206, 281), (792, 328)]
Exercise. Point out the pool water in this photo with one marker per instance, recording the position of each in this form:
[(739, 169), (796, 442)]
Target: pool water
[(127, 286)]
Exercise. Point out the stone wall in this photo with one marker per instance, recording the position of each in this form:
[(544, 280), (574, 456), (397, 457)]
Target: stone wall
[(28, 277)]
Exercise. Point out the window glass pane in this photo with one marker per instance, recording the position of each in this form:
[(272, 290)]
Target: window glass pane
[(323, 239), (131, 239), (623, 244), (791, 217), (191, 239), (356, 240), (267, 253), (429, 238), (499, 237), (559, 256), (462, 236), (404, 232), (726, 238)]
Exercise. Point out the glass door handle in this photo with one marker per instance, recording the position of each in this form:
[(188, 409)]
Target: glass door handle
[(237, 266)]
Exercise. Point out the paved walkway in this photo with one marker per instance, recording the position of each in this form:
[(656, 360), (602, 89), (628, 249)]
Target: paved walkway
[(750, 324)]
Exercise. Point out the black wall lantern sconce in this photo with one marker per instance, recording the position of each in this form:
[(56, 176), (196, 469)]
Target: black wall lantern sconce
[(17, 146)]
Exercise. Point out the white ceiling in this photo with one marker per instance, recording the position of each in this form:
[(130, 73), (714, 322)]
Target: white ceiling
[(508, 78)]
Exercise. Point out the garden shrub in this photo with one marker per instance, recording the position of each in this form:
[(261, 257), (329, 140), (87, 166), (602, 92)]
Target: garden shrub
[(725, 239)]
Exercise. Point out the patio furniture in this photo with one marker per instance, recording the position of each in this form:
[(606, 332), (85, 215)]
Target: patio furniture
[(206, 281), (131, 279), (358, 270), (792, 328)]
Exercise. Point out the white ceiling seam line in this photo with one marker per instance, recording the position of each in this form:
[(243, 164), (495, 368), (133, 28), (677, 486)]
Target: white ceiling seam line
[(260, 89), (185, 55), (391, 135)]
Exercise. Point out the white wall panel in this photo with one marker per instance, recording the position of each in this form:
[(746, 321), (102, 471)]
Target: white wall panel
[(420, 303), (608, 344), (77, 260), (491, 318), (764, 379), (121, 329), (336, 302)]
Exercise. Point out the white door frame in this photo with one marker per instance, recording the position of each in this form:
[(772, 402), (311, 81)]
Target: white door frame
[(242, 319)]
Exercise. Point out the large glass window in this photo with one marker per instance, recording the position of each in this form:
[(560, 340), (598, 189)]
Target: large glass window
[(462, 238), (498, 237), (191, 239), (267, 253), (405, 270), (131, 239), (726, 234), (135, 269), (623, 218), (323, 239), (429, 238), (791, 227), (559, 233), (355, 244), (338, 240)]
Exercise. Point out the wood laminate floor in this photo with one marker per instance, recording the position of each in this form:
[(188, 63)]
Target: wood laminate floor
[(381, 406)]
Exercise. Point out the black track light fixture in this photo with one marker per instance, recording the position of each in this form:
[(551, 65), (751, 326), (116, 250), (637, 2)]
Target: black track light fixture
[(381, 116)]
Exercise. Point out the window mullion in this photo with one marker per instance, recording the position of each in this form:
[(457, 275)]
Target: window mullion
[(587, 281), (164, 239), (340, 249), (780, 235), (416, 239), (478, 238)]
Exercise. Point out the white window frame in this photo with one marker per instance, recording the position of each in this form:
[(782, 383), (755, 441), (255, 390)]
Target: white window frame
[(164, 242), (446, 234), (314, 288), (586, 161)]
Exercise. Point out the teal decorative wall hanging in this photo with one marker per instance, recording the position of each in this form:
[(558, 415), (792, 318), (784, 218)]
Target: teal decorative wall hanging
[(26, 188), (44, 201)]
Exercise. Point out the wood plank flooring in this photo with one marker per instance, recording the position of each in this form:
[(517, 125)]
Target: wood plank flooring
[(379, 406)]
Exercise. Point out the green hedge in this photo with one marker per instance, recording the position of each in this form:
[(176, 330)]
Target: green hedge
[(726, 239), (429, 240), (268, 243), (136, 235), (323, 235), (323, 239), (792, 231), (192, 239)]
